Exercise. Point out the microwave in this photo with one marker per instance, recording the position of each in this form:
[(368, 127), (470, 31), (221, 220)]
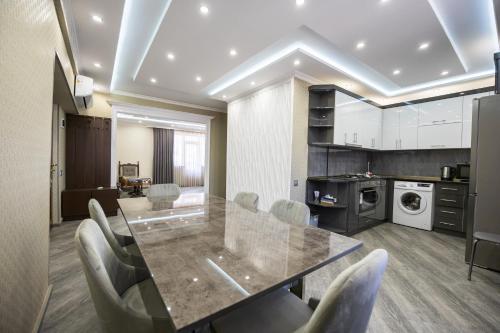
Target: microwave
[(463, 171)]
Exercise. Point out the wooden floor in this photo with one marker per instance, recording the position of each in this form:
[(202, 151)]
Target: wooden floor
[(424, 288)]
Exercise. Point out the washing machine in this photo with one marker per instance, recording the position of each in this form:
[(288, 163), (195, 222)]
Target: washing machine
[(413, 202)]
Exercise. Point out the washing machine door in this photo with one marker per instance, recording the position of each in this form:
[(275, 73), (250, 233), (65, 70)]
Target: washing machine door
[(412, 203)]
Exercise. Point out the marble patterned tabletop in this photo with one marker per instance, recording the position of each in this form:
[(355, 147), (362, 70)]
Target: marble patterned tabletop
[(208, 255)]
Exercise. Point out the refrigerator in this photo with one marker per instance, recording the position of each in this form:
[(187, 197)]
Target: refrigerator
[(483, 208)]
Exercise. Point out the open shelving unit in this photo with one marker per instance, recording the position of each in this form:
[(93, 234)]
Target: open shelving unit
[(321, 115)]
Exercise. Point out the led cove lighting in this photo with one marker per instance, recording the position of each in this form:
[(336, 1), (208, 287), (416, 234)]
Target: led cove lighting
[(360, 45), (169, 122), (170, 56), (423, 46), (97, 18), (204, 10), (299, 2)]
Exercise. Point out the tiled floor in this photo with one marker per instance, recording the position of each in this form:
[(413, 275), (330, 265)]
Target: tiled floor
[(424, 289)]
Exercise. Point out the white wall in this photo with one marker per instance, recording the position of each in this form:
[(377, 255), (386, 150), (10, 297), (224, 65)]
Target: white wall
[(259, 141), (300, 119), (135, 143)]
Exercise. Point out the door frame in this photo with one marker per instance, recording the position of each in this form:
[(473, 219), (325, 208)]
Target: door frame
[(134, 109)]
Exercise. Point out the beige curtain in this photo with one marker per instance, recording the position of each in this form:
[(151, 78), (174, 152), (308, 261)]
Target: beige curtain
[(189, 158)]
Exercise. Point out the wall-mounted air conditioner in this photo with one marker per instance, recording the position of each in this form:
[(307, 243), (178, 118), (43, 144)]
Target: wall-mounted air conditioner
[(84, 87)]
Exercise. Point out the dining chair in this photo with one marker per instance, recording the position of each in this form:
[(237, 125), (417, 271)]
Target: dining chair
[(123, 245), (164, 190), (477, 237), (346, 306), (124, 296), (292, 212), (247, 200)]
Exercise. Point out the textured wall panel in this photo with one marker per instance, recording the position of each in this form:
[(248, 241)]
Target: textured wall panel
[(29, 38), (259, 140)]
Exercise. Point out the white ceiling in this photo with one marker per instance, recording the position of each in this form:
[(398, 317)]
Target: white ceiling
[(270, 35)]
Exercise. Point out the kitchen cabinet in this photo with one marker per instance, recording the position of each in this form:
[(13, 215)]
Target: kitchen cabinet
[(357, 123), (449, 208), (442, 136), (467, 118), (399, 127), (443, 111)]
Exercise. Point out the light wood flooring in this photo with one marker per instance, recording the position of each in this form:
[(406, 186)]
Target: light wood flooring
[(425, 288)]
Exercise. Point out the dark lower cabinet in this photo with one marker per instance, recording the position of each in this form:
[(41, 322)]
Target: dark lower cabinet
[(450, 207), (75, 202)]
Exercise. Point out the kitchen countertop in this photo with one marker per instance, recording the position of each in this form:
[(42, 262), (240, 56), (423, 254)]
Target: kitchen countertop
[(430, 179)]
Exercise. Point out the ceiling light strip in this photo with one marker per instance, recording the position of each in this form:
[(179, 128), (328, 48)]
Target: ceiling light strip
[(181, 123), (152, 37), (127, 12), (448, 33)]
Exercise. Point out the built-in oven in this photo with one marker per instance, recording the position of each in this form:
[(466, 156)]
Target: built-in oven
[(371, 202)]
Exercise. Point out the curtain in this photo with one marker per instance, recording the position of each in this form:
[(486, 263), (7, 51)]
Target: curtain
[(189, 158), (163, 156)]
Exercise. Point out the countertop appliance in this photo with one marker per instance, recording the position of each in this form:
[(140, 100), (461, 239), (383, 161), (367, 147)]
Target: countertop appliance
[(463, 171), (484, 184), (413, 204), (447, 172)]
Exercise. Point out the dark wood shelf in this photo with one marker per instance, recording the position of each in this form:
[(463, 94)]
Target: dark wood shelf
[(321, 126), (319, 204)]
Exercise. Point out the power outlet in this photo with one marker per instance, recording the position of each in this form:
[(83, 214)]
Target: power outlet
[(295, 182)]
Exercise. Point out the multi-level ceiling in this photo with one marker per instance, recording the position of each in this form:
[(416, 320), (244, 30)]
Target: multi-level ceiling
[(211, 51)]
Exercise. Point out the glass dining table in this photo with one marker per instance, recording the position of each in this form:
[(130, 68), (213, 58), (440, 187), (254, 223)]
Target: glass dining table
[(208, 256)]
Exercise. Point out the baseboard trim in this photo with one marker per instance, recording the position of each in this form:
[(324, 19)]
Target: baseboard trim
[(41, 314)]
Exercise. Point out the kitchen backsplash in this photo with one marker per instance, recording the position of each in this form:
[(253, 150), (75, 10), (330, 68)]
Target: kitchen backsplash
[(340, 162), (404, 163), (418, 162)]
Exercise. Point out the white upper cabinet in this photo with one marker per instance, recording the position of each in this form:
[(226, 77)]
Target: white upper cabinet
[(390, 128), (443, 136), (348, 115), (408, 127), (444, 111), (467, 118), (370, 129)]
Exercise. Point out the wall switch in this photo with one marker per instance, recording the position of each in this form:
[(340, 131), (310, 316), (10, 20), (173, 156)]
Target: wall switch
[(295, 182)]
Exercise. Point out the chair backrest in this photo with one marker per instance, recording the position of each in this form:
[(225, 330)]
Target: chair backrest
[(128, 169), (164, 190), (291, 212), (97, 214), (247, 200), (347, 304), (107, 278)]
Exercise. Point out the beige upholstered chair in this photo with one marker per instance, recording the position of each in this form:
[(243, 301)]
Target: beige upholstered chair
[(123, 245), (125, 298), (291, 212), (164, 190), (247, 200), (346, 306)]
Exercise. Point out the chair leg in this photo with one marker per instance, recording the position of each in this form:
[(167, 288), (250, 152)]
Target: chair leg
[(471, 261)]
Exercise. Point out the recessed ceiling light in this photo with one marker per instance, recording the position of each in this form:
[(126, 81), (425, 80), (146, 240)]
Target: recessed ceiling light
[(98, 65), (462, 93), (140, 121), (97, 18), (360, 45), (152, 80), (423, 46), (296, 62), (224, 96), (170, 56), (444, 73), (396, 72), (204, 10), (252, 83), (233, 52), (198, 78), (299, 2), (384, 1)]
